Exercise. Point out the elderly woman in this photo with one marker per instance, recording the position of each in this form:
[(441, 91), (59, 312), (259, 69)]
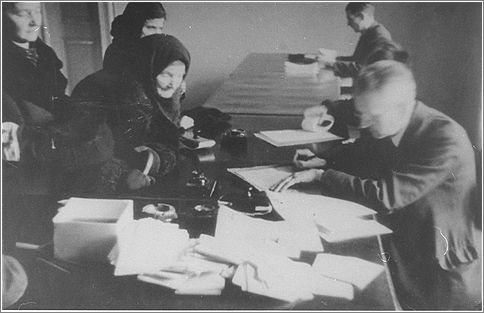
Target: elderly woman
[(142, 108), (138, 20)]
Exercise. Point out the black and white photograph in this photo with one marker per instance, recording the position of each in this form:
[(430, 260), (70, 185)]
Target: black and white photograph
[(241, 156)]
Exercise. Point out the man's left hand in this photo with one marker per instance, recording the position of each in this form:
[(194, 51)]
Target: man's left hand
[(308, 176)]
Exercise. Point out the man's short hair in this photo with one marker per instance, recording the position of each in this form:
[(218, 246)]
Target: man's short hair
[(355, 8), (385, 73)]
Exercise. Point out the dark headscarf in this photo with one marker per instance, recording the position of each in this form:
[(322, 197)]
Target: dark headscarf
[(154, 54), (126, 28)]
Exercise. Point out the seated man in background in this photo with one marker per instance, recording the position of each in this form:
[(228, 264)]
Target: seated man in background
[(360, 16), (417, 170)]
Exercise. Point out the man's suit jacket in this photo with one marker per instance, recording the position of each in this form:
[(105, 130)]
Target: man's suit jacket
[(422, 189), (369, 40), (424, 184)]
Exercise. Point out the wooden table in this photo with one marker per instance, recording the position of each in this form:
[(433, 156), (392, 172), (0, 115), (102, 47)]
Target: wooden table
[(261, 96), (93, 286)]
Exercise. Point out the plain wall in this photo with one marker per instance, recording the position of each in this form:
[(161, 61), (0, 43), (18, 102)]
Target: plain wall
[(444, 40)]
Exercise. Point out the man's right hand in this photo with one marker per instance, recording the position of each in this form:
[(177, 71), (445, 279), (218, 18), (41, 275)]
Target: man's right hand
[(305, 158)]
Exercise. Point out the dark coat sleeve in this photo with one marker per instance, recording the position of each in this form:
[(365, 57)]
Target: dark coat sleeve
[(434, 160)]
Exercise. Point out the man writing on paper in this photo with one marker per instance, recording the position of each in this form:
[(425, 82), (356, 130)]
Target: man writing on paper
[(360, 17), (417, 169)]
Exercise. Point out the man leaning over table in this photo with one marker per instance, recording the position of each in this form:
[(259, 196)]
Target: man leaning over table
[(417, 170), (360, 17)]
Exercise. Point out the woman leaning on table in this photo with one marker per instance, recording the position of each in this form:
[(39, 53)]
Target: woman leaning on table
[(142, 109)]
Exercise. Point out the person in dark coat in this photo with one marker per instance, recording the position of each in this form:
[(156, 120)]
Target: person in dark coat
[(142, 108), (417, 170), (32, 94), (360, 17), (139, 19), (51, 143)]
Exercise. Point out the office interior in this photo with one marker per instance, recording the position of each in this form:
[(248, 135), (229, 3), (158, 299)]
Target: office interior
[(443, 39)]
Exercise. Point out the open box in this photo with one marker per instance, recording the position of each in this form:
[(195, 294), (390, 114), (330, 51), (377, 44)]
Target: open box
[(87, 229)]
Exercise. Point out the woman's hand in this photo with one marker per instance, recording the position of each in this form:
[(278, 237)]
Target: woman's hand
[(137, 180), (308, 176)]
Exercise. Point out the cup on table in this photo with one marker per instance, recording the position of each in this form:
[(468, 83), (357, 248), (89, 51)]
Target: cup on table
[(317, 119)]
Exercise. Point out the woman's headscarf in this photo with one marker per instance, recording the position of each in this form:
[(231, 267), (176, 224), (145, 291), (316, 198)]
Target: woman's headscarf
[(155, 53), (127, 27)]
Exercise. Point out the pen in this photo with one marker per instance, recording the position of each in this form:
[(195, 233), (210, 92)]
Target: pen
[(213, 189)]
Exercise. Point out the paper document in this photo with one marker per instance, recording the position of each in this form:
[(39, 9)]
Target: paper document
[(292, 137), (266, 237), (355, 271), (340, 228), (146, 246), (287, 280), (301, 69), (294, 207), (264, 177), (278, 278), (336, 219)]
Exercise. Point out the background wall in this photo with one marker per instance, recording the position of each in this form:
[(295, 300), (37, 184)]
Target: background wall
[(444, 40)]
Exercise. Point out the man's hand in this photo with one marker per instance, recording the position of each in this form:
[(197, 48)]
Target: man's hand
[(305, 158), (308, 176), (137, 180)]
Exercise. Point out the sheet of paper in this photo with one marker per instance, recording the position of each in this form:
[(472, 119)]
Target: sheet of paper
[(267, 237), (340, 228), (146, 246), (264, 177), (278, 278), (329, 287), (291, 137), (297, 207), (355, 271)]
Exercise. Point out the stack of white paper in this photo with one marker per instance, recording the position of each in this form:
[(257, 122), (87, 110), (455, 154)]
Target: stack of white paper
[(355, 271), (291, 137), (336, 219), (287, 280), (146, 246), (339, 228), (301, 69), (296, 207), (266, 176), (191, 274), (281, 238)]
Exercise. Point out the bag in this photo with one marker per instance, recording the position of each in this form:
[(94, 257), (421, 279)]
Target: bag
[(210, 122)]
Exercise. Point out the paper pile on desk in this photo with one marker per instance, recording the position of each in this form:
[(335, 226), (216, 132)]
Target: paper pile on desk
[(262, 250), (146, 246), (337, 220), (301, 69), (355, 271), (191, 274), (281, 238), (284, 279)]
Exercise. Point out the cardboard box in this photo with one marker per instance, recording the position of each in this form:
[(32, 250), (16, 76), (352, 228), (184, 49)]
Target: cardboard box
[(87, 229)]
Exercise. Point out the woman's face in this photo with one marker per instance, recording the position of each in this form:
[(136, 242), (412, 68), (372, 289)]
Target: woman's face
[(170, 79), (26, 19), (153, 26)]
